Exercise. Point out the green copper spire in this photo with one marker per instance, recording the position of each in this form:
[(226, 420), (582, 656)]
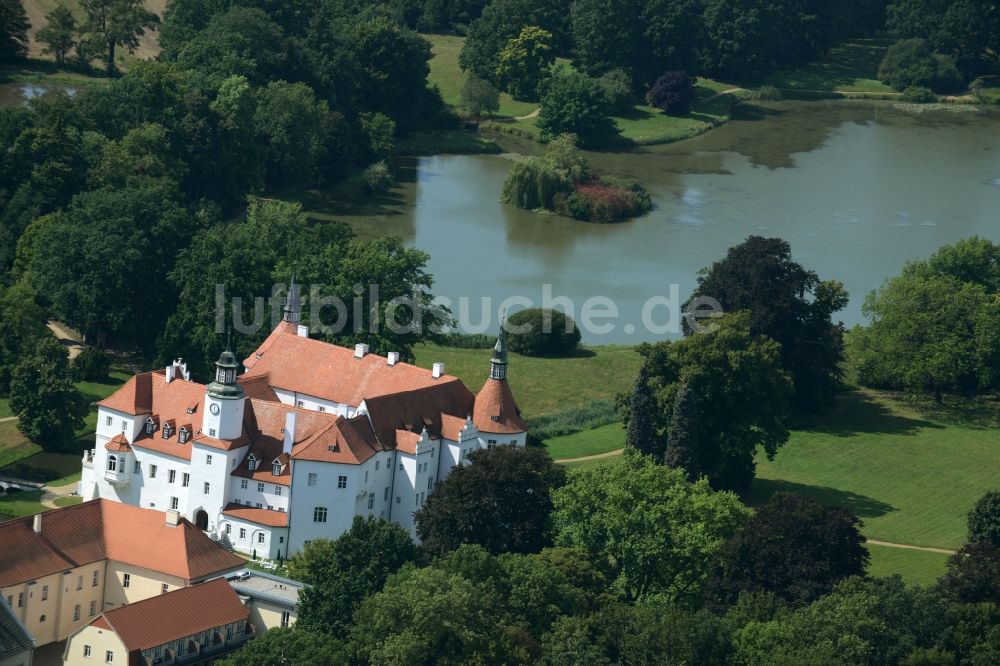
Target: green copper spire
[(226, 370)]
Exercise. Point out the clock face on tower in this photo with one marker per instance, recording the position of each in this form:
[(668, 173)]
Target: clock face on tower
[(214, 408)]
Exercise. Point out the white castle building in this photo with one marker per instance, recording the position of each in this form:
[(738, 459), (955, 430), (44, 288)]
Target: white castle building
[(309, 436)]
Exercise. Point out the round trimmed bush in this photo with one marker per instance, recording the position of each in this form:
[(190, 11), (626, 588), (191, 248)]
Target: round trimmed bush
[(768, 94), (919, 95), (546, 333)]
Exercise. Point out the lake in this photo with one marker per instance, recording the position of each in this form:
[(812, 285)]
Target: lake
[(20, 93), (856, 188)]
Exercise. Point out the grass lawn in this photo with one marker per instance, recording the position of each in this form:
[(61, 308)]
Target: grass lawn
[(644, 125), (648, 125), (911, 473), (5, 408), (67, 501), (544, 385), (24, 503), (851, 66), (587, 442), (915, 566)]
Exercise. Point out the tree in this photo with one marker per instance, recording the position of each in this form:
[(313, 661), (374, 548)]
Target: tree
[(623, 634), (984, 519), (973, 574), (113, 23), (243, 41), (428, 616), (343, 574), (22, 324), (48, 406), (538, 332), (285, 647), (737, 402), (90, 365), (673, 93), (968, 29), (975, 260), (295, 126), (524, 62), (788, 303), (655, 532), (501, 501), (875, 621), (793, 547), (574, 103), (479, 96), (14, 27), (59, 33), (641, 435), (618, 89), (928, 333), (503, 20), (911, 63), (119, 243)]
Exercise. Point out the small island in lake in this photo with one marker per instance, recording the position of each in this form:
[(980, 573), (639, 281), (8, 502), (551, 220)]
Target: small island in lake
[(563, 182)]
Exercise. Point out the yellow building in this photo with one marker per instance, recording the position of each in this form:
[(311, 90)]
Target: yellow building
[(192, 625), (63, 568)]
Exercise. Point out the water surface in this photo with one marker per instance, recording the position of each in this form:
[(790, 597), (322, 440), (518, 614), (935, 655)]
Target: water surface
[(856, 188)]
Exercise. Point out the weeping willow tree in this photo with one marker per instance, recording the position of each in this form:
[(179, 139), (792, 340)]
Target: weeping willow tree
[(534, 182)]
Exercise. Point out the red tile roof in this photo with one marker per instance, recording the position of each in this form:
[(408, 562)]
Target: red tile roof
[(159, 620), (452, 426), (350, 441), (496, 411), (407, 441), (267, 517), (415, 410), (118, 444), (101, 529), (331, 372)]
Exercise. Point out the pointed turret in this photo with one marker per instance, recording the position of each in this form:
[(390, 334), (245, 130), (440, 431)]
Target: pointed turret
[(292, 312), (496, 410)]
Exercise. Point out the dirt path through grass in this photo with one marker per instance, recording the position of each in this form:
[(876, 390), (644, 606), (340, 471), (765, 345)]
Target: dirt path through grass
[(598, 456), (926, 549)]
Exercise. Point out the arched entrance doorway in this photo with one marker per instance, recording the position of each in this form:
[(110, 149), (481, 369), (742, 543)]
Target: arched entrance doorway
[(201, 520)]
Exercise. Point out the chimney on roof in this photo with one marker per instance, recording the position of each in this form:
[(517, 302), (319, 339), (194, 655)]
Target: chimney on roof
[(303, 331), (437, 370), (170, 372), (38, 523), (286, 444), (360, 350), (173, 517), (392, 358)]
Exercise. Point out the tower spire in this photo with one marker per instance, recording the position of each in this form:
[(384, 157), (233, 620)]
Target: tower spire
[(498, 364), (292, 311)]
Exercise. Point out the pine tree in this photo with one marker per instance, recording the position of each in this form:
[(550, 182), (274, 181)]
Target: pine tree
[(641, 432), (683, 443), (13, 30)]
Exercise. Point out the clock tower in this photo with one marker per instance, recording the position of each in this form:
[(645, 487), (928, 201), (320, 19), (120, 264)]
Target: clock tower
[(224, 400)]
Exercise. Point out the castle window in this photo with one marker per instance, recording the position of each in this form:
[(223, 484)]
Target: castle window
[(277, 490), (208, 488), (252, 462), (312, 479), (167, 431), (150, 426), (126, 580), (174, 503), (184, 434), (94, 579), (93, 608), (171, 475), (341, 481), (107, 421), (186, 480), (112, 463), (208, 460), (243, 484), (243, 533), (319, 514), (260, 487), (276, 470), (260, 537)]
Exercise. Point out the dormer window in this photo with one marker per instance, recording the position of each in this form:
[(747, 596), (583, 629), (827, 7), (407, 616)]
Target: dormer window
[(252, 463), (184, 435), (276, 468), (150, 426), (167, 431)]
